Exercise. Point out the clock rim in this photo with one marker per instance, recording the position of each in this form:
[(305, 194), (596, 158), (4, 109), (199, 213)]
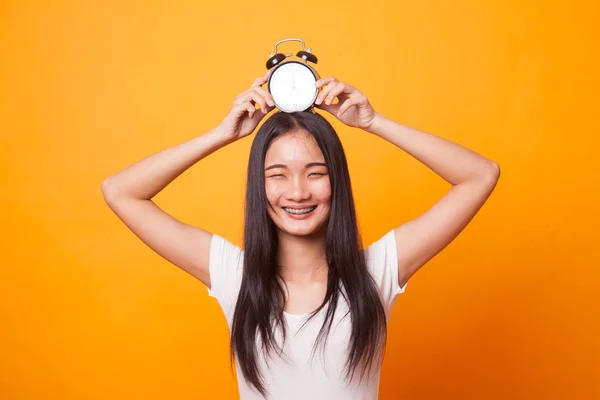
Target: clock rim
[(312, 71)]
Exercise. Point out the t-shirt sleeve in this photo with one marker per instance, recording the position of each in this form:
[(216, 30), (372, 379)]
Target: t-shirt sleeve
[(382, 263), (225, 268)]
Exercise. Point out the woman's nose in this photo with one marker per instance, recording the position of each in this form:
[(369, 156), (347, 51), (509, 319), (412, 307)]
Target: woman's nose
[(297, 190)]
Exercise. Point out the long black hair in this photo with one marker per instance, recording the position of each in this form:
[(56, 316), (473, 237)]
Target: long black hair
[(261, 300)]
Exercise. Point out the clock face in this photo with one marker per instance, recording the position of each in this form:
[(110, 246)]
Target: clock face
[(292, 86)]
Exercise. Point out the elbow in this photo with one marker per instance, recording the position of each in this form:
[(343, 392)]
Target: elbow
[(489, 174), (108, 191), (492, 174)]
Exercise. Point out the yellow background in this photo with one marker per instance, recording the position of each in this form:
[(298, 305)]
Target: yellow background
[(508, 310)]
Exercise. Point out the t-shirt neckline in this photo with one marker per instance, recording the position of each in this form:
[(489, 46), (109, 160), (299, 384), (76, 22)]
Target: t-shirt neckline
[(287, 314)]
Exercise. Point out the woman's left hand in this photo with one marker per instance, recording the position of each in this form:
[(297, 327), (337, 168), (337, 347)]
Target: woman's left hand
[(353, 107)]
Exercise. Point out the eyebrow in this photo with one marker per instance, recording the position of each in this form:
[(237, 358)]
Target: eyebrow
[(313, 164)]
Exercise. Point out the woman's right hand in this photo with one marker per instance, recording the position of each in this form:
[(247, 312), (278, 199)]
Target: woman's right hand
[(243, 117)]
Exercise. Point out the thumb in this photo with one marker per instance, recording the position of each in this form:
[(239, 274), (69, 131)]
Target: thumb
[(330, 108), (259, 114)]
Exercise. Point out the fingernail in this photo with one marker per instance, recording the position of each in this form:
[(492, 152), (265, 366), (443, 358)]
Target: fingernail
[(271, 103)]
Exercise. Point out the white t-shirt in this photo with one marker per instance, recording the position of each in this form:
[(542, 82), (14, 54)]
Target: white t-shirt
[(297, 377)]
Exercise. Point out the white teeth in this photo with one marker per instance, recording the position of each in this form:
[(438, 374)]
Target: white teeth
[(301, 211)]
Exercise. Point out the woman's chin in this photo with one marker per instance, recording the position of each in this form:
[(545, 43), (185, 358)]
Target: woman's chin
[(308, 229), (300, 232)]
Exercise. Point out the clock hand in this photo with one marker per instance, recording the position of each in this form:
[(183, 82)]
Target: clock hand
[(293, 86)]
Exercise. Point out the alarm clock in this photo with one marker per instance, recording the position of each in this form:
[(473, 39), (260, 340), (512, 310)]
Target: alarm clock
[(292, 82)]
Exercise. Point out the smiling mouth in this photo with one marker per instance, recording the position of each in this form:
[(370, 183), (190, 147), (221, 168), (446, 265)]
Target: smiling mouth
[(299, 211)]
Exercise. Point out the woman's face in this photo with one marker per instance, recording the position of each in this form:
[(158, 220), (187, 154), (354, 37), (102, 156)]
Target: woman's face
[(297, 184)]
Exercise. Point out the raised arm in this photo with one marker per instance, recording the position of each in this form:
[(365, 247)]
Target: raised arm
[(472, 176), (129, 192)]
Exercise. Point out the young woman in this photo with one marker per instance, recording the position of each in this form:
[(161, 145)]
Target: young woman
[(307, 306)]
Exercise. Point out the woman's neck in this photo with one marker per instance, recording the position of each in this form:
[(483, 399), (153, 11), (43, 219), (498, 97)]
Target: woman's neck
[(302, 258)]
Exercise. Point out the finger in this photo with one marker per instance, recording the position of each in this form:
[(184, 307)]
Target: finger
[(248, 106), (266, 95), (263, 79), (334, 92), (332, 108), (325, 91), (324, 81), (258, 99), (346, 106), (242, 98), (258, 81), (259, 115)]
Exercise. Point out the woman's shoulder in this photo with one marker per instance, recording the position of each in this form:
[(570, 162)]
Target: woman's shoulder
[(381, 245), (225, 245), (226, 264)]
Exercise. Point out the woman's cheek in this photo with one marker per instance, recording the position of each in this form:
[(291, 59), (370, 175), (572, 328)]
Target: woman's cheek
[(323, 191), (273, 193)]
